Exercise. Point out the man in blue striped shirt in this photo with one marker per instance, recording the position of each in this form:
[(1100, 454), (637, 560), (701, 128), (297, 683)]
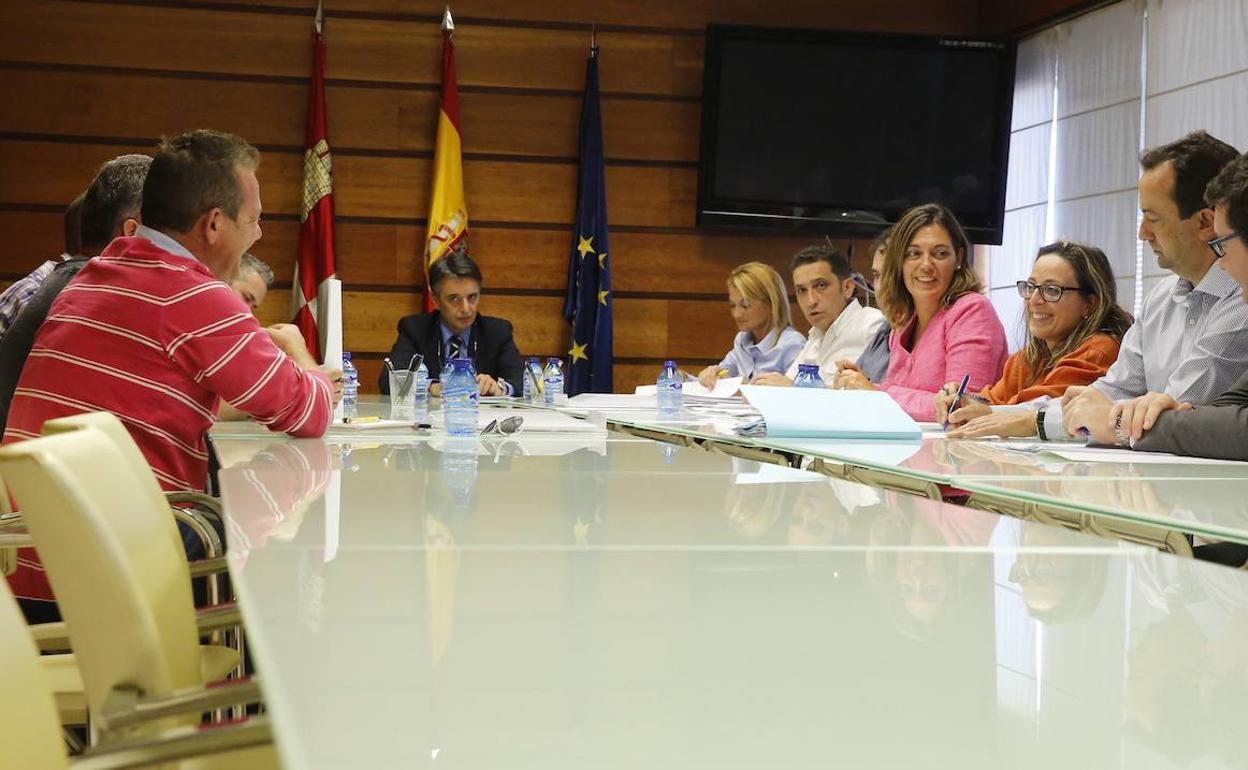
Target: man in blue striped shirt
[(1191, 339)]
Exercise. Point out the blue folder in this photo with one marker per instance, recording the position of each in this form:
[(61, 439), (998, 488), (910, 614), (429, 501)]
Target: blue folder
[(824, 413)]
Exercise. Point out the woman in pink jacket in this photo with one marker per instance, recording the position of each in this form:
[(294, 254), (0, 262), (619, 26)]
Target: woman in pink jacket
[(943, 327)]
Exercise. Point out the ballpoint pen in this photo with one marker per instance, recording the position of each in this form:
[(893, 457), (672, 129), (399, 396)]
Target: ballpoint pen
[(957, 399)]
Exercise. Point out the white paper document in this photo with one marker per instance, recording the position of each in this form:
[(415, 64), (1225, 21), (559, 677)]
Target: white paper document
[(824, 413)]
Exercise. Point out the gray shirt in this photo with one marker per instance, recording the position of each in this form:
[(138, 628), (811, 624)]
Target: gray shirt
[(1190, 342), (874, 359)]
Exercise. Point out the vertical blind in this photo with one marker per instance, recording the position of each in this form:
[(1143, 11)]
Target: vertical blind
[(1090, 95)]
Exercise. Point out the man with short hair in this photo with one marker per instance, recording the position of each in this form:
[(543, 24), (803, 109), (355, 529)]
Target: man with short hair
[(108, 209), (1189, 340), (455, 330), (252, 281), (149, 331), (1158, 422), (840, 327)]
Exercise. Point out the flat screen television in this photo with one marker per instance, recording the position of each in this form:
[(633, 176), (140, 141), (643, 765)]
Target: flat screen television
[(841, 132)]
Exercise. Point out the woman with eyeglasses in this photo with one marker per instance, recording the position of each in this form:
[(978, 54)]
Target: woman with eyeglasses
[(1074, 327), (943, 326), (766, 340)]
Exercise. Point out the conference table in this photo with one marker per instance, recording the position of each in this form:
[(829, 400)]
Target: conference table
[(1158, 500), (599, 599)]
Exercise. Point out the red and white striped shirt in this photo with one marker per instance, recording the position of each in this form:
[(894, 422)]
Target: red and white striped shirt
[(154, 338)]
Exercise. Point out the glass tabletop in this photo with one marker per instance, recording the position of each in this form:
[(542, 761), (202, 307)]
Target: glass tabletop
[(590, 610)]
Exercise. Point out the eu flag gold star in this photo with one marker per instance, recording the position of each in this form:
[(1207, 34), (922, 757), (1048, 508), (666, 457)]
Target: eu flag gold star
[(586, 246), (602, 260), (578, 352), (602, 297)]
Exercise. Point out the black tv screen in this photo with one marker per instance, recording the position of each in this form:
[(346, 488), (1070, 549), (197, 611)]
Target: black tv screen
[(842, 132)]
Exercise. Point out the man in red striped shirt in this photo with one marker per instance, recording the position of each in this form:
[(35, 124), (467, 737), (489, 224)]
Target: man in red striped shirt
[(150, 331)]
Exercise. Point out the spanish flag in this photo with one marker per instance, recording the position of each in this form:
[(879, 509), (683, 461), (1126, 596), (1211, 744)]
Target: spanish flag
[(448, 212)]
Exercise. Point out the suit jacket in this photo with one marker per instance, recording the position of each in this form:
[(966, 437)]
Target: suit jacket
[(1219, 430), (492, 349)]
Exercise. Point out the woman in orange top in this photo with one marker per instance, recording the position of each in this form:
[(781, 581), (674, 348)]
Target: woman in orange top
[(1074, 327)]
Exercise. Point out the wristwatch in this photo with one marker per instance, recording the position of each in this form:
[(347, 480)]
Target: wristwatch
[(1040, 424)]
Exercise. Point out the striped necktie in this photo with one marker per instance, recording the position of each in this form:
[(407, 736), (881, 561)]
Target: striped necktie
[(457, 347)]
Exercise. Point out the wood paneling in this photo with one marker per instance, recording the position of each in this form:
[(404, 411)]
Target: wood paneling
[(388, 187), (644, 328), (85, 81), (383, 255), (383, 51), (688, 15)]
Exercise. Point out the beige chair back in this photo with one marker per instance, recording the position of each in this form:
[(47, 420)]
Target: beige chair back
[(30, 728), (108, 424), (121, 581)]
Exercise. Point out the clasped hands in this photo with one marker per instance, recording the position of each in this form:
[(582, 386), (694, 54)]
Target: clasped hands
[(1086, 409)]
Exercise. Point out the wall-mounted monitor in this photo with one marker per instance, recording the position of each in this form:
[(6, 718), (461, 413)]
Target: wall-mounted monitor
[(840, 132)]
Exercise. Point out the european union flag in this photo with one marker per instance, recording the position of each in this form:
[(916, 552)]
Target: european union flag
[(587, 305)]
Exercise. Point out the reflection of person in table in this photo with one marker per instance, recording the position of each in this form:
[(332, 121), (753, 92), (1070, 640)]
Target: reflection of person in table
[(1074, 325), (920, 582), (1061, 579)]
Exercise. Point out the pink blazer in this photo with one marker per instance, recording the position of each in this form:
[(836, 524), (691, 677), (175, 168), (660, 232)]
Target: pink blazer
[(964, 338)]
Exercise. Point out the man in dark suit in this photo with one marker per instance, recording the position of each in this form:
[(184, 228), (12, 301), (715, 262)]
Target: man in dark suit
[(455, 330)]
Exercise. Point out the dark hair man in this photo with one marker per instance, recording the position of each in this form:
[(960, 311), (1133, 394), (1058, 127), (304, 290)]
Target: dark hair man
[(1188, 340), (840, 328), (455, 330), (108, 208)]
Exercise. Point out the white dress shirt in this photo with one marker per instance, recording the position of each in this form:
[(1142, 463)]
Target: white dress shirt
[(847, 337)]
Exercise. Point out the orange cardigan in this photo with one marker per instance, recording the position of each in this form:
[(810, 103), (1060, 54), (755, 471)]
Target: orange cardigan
[(1081, 366)]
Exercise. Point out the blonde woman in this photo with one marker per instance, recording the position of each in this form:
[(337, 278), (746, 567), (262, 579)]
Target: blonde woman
[(766, 340)]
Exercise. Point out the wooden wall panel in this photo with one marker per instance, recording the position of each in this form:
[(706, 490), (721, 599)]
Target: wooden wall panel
[(386, 187), (361, 118), (688, 15), (379, 51), (84, 81), (383, 255)]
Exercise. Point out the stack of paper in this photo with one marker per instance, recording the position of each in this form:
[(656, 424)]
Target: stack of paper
[(824, 413)]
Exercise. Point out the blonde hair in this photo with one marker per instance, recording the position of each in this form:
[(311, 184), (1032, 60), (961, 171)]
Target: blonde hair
[(893, 297), (761, 283)]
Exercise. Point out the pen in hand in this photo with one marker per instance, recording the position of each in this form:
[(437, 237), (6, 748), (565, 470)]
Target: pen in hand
[(957, 399)]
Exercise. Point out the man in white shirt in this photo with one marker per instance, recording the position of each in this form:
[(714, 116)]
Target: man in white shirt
[(839, 326)]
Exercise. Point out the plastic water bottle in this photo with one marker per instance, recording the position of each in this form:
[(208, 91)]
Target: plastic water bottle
[(350, 384), (532, 370), (421, 388), (808, 376), (552, 381), (459, 399), (669, 386)]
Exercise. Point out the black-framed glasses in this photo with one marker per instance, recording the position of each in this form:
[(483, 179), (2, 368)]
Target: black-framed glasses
[(1049, 292), (1219, 244)]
